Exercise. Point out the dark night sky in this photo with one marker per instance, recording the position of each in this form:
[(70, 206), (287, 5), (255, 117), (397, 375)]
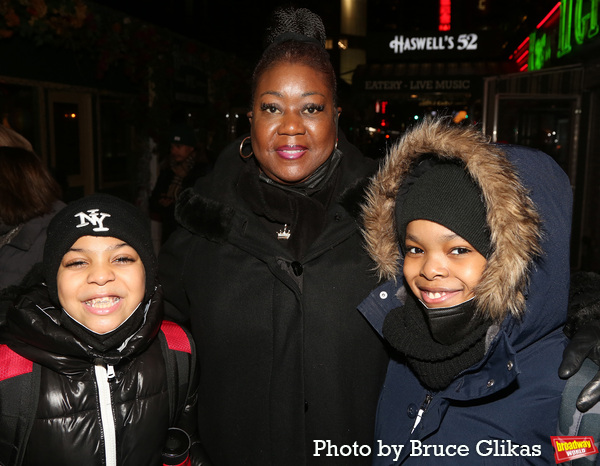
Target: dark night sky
[(235, 26), (238, 26)]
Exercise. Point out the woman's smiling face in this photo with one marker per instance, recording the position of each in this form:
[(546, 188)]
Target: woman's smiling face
[(101, 282), (441, 268), (293, 122)]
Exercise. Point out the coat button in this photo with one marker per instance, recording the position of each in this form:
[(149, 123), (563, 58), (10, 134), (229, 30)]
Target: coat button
[(412, 411), (510, 365), (383, 295), (297, 268), (491, 383)]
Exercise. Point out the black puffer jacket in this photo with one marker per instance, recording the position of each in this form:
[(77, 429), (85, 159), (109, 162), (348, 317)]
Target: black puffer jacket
[(285, 357), (68, 427)]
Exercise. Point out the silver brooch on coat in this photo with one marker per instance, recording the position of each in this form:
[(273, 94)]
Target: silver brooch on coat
[(285, 233)]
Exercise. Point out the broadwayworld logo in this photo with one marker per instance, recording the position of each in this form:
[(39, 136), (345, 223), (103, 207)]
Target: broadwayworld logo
[(571, 448)]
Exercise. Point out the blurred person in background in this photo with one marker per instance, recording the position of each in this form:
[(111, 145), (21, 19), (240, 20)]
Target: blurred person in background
[(10, 138), (29, 198), (184, 165)]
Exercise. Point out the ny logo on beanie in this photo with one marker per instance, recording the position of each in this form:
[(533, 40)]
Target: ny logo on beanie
[(93, 218)]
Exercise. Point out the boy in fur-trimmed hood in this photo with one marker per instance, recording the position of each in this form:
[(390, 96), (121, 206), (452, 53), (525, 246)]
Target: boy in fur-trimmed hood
[(474, 240)]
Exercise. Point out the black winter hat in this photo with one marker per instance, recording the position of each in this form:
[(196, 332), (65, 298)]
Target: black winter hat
[(98, 215), (183, 135), (444, 193)]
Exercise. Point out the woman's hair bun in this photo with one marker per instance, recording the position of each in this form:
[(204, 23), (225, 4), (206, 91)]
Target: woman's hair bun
[(296, 20)]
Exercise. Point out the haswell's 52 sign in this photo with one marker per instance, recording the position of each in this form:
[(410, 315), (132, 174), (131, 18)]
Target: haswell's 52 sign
[(404, 44)]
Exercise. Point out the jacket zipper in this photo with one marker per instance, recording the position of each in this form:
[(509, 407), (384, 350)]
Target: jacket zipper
[(422, 411), (103, 376)]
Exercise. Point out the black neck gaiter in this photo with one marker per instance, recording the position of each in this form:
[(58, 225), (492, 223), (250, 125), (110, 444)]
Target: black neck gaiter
[(113, 340), (436, 355), (449, 325)]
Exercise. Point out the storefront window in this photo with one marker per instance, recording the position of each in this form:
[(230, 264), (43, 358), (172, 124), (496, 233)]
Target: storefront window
[(544, 124)]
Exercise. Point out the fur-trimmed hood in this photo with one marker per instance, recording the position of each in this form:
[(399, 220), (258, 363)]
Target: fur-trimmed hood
[(514, 223)]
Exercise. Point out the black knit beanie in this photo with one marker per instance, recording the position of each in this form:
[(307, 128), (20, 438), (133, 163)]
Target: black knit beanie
[(444, 193), (98, 215)]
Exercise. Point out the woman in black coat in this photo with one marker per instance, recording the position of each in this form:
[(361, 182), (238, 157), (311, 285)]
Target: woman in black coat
[(269, 268)]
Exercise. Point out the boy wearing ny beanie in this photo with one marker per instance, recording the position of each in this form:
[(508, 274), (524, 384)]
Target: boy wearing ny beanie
[(474, 241), (91, 374)]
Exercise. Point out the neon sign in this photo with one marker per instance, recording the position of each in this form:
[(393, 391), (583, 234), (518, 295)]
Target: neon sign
[(574, 23), (540, 51), (578, 23), (445, 15), (402, 44)]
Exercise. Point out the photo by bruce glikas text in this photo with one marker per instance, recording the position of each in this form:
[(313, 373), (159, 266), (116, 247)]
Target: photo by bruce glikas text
[(483, 448)]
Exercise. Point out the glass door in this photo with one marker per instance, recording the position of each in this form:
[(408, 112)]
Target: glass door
[(548, 123)]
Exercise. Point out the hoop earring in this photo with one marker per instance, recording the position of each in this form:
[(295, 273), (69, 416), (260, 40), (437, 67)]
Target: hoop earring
[(337, 130), (247, 138)]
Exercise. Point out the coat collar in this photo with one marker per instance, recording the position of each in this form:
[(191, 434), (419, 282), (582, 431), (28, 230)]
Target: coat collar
[(211, 209), (33, 329), (500, 360)]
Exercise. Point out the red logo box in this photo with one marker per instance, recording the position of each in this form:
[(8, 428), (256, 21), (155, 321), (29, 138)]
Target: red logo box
[(570, 448)]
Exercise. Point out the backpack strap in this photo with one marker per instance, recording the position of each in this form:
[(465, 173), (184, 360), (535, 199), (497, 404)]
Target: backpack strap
[(19, 395), (180, 362)]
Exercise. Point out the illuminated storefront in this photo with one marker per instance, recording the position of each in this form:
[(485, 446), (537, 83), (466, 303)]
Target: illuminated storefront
[(415, 90), (419, 75)]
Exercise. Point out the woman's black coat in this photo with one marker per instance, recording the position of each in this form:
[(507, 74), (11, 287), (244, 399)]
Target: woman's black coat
[(286, 361)]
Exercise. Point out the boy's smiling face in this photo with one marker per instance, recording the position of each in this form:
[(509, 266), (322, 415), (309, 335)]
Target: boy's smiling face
[(441, 268), (101, 281)]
